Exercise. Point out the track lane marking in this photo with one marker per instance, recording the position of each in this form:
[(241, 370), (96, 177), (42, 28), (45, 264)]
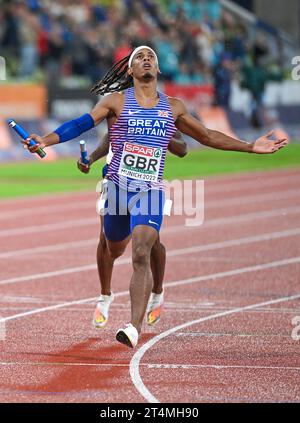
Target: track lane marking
[(170, 253), (95, 221), (234, 272), (45, 209), (135, 361), (149, 365), (239, 200), (215, 185)]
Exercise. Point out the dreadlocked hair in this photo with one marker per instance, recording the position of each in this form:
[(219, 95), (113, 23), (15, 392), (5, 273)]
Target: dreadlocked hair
[(116, 79)]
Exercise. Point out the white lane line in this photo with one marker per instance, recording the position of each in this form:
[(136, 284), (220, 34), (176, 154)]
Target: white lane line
[(47, 209), (264, 266), (49, 248), (51, 308), (79, 244), (257, 198), (135, 361), (50, 227), (20, 299), (283, 212), (147, 365), (90, 205), (54, 197), (234, 272), (172, 253), (42, 363), (220, 187), (215, 185), (95, 221), (205, 247), (49, 274), (214, 366), (235, 242), (232, 335), (170, 229), (73, 244)]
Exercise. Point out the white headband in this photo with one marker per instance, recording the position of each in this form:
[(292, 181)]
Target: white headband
[(136, 50)]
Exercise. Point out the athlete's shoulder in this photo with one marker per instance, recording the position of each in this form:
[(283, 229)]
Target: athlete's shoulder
[(113, 102), (177, 106), (113, 97), (174, 101)]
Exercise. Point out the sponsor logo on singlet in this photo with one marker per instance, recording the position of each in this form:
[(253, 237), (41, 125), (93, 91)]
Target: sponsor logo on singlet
[(140, 162)]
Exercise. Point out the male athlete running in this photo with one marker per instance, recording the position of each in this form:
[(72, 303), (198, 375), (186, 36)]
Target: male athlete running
[(105, 263), (141, 123)]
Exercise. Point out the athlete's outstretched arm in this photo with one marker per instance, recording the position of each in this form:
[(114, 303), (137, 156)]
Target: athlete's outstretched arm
[(73, 128), (189, 125), (177, 146)]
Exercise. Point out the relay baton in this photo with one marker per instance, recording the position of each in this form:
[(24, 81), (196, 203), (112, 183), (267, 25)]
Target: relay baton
[(83, 152), (24, 135)]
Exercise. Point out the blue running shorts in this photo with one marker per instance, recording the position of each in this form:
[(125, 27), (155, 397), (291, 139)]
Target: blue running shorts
[(124, 210)]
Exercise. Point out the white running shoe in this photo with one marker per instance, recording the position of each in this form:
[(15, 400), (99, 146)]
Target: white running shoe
[(101, 311), (154, 308), (128, 336)]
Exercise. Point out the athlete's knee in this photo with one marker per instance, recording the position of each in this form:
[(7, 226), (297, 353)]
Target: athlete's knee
[(115, 253), (115, 250), (141, 255), (158, 247)]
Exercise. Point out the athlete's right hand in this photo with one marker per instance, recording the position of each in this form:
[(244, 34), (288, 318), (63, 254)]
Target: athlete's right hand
[(39, 143), (84, 168)]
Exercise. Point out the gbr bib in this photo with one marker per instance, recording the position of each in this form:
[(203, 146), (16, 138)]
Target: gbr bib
[(140, 162)]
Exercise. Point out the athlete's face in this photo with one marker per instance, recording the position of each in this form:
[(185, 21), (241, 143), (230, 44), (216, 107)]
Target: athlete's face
[(144, 65)]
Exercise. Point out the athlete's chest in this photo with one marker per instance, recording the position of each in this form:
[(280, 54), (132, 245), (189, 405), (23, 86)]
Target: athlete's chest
[(156, 123)]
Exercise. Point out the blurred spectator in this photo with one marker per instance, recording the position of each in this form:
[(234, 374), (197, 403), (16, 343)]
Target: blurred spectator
[(83, 38), (9, 37), (260, 49), (29, 29), (222, 80), (255, 75), (167, 54)]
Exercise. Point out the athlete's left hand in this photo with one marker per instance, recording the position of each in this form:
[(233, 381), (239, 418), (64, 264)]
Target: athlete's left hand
[(264, 145)]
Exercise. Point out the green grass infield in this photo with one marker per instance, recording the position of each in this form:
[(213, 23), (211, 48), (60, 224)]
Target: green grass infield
[(38, 177)]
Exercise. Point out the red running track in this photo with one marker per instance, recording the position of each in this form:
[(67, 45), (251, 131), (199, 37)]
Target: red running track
[(232, 291)]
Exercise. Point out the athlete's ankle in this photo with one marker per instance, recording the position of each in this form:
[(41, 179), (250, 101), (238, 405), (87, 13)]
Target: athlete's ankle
[(137, 326), (105, 292)]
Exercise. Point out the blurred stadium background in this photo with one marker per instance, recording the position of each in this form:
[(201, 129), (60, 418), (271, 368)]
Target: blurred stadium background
[(230, 61)]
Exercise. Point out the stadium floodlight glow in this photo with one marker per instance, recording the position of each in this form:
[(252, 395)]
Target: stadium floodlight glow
[(296, 69), (2, 69)]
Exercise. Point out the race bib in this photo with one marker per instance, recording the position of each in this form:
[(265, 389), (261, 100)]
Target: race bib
[(140, 162)]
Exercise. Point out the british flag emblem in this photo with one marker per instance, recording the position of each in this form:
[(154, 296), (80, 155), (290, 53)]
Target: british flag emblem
[(163, 113)]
